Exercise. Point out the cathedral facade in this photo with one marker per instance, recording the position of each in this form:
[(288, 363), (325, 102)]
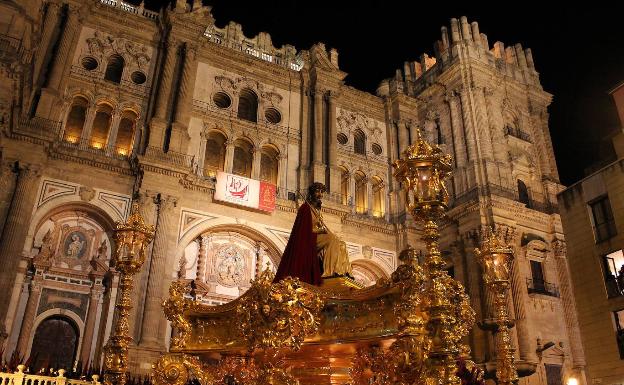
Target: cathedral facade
[(217, 135)]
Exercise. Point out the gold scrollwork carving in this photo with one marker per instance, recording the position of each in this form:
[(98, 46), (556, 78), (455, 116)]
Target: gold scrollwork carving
[(178, 368), (278, 315), (174, 308)]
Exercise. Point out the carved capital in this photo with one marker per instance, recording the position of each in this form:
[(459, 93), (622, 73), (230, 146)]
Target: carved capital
[(167, 203)]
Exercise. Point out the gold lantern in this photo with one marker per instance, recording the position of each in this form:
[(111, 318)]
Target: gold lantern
[(132, 239), (422, 170), (496, 259)]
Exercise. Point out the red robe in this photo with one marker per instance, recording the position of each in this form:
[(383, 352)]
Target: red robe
[(300, 258)]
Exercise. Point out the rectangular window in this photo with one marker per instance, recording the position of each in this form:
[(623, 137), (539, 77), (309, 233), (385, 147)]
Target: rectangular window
[(613, 267), (604, 223), (619, 329), (537, 275)]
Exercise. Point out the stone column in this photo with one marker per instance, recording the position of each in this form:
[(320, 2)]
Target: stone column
[(114, 128), (304, 156), (335, 174), (468, 133), (147, 209), (62, 54), (282, 176), (569, 307), (201, 156), (413, 127), (152, 332), (164, 89), (29, 317), (229, 155), (87, 340), (319, 166), (202, 257), (49, 24), (14, 235), (187, 86), (369, 196), (85, 135), (256, 162)]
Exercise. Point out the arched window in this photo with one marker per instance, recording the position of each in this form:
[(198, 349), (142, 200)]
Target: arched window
[(243, 158), (76, 119), (248, 105), (359, 142), (101, 126), (523, 193), (378, 197), (344, 185), (214, 158), (125, 132), (114, 68), (269, 165), (360, 193)]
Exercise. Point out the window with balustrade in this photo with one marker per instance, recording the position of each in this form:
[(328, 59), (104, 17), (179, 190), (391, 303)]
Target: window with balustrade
[(269, 164), (360, 193), (248, 105), (74, 124), (214, 158), (125, 132), (243, 158), (101, 126)]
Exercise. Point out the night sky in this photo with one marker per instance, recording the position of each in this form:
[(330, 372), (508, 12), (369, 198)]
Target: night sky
[(578, 51)]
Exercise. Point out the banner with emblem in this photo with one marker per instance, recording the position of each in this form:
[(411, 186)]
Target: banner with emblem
[(246, 192)]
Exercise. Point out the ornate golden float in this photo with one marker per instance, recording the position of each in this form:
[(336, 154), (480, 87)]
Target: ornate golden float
[(405, 330)]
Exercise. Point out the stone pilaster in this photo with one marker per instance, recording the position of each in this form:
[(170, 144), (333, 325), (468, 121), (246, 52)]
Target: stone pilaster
[(49, 24), (403, 136), (152, 331), (483, 124), (87, 340), (304, 155), (459, 141), (318, 171), (14, 236), (184, 103), (30, 313), (569, 306), (147, 209), (164, 91), (520, 296), (335, 173), (114, 128)]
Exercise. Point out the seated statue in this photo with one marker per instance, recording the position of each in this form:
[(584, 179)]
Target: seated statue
[(313, 252)]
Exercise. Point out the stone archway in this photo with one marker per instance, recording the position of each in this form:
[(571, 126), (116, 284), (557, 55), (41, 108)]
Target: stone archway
[(55, 344)]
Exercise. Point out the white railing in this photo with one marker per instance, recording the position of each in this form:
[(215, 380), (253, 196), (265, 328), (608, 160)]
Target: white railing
[(21, 378)]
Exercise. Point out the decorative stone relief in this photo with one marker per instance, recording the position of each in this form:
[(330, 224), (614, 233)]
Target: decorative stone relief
[(102, 45)]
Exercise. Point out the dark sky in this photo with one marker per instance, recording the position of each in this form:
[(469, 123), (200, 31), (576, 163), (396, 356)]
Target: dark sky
[(578, 50)]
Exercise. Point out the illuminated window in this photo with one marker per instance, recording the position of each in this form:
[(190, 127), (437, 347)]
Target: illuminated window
[(214, 158), (76, 119), (125, 133), (101, 126), (269, 165), (243, 158)]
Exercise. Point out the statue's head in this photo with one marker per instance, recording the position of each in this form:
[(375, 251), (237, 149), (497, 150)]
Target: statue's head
[(315, 192)]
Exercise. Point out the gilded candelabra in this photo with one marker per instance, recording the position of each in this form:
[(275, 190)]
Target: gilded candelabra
[(422, 170), (132, 239), (496, 258)]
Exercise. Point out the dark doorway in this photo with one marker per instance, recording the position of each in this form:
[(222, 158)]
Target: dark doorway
[(553, 374), (55, 344)]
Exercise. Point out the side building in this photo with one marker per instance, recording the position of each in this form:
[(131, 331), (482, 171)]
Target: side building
[(592, 212), (103, 102)]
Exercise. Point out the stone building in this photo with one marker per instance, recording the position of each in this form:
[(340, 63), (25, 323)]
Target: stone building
[(103, 102), (592, 212)]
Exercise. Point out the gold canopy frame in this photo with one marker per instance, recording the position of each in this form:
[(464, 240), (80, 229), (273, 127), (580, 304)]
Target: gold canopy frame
[(404, 330)]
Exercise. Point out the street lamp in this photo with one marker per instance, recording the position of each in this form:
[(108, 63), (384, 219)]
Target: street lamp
[(132, 239), (496, 258)]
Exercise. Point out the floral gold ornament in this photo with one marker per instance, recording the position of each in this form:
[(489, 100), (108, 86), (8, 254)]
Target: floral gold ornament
[(408, 329), (131, 241), (496, 258)]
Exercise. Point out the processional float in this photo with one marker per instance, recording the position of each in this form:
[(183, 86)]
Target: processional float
[(408, 329)]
